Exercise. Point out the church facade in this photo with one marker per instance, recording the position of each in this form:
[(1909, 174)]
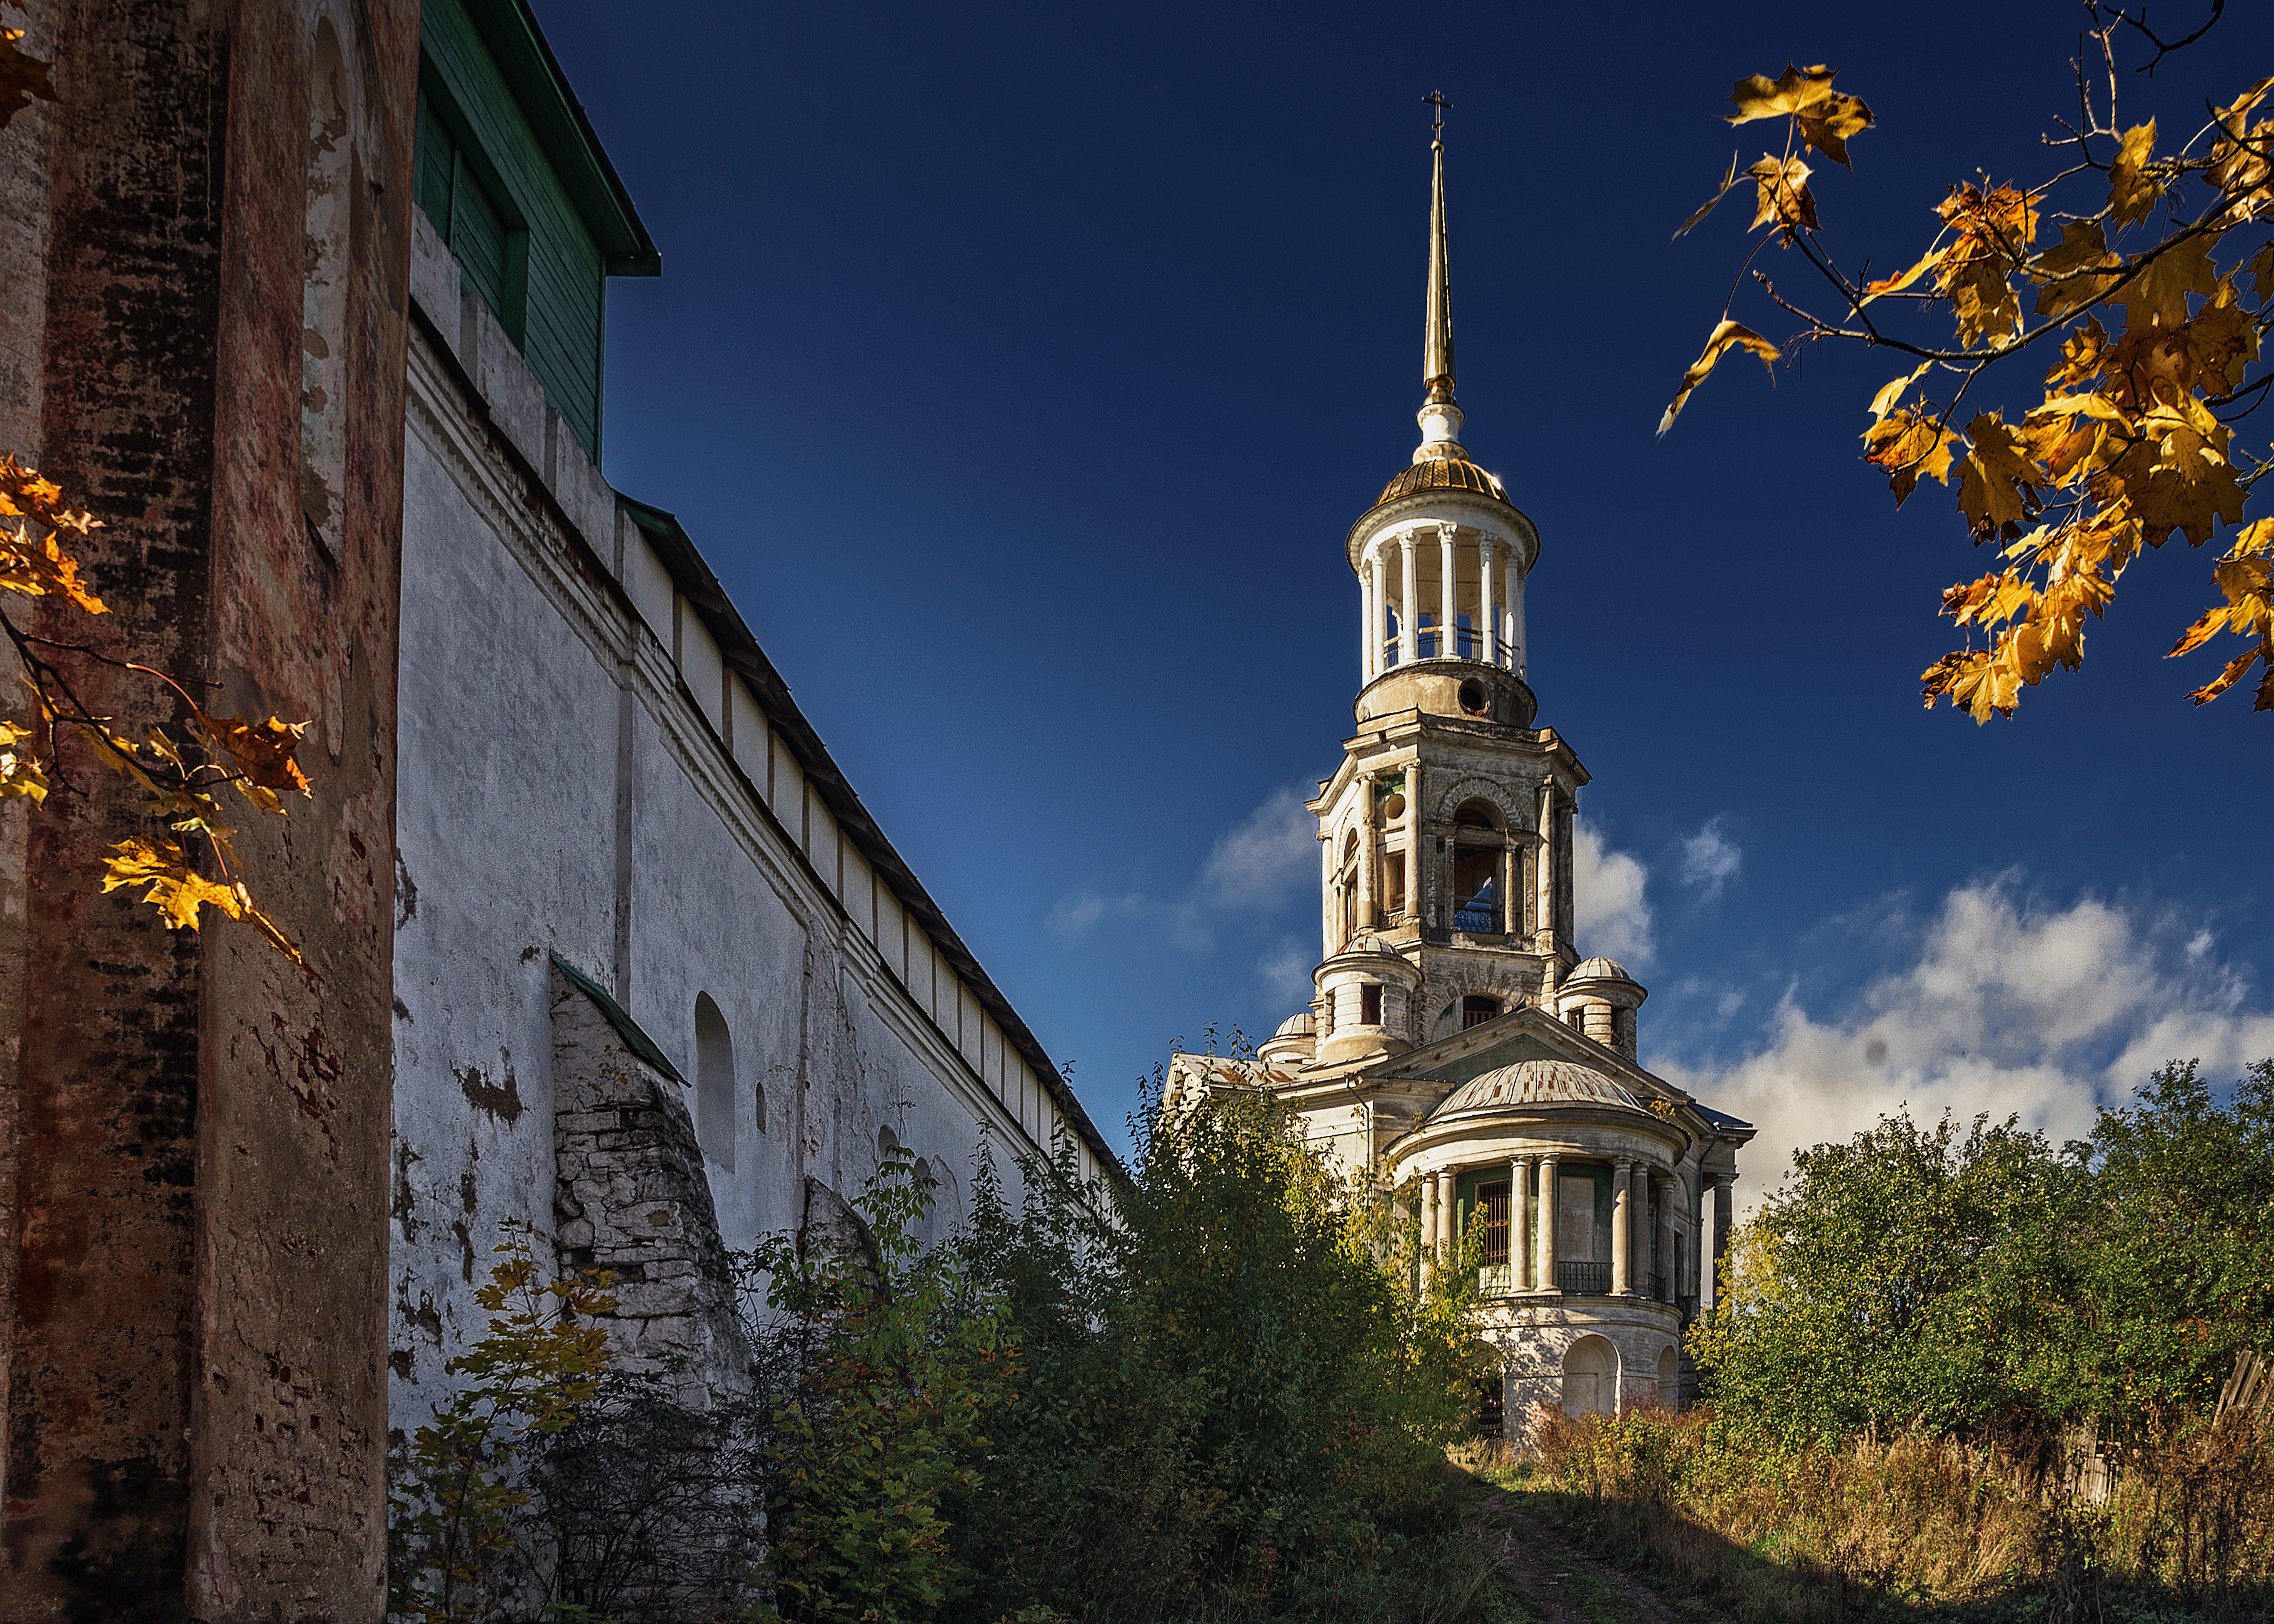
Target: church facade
[(1459, 1048)]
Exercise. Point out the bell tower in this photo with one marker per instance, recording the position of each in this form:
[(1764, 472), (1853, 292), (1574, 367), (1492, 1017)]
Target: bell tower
[(1445, 833)]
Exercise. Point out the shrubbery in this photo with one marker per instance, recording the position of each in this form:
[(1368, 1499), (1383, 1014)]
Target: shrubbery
[(1215, 1392), (1984, 1284)]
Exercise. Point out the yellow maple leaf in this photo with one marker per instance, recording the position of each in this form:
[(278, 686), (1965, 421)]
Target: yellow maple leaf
[(2245, 576), (63, 569), (1995, 229), (1997, 476), (1827, 116), (262, 752), (1782, 195), (1892, 391), (22, 78), (1728, 185), (21, 774), (1728, 336), (2178, 478), (2240, 165), (2158, 294), (2132, 191), (1932, 259), (2076, 272), (1907, 445), (2083, 353), (2222, 341), (176, 890)]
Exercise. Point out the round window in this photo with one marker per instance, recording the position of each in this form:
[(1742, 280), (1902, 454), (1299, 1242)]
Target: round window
[(1473, 698)]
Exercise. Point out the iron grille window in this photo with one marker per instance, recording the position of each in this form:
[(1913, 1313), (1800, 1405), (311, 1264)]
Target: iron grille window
[(1494, 1199)]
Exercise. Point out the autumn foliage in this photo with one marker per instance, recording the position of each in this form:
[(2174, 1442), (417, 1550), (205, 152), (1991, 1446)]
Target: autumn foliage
[(182, 777), (2139, 275)]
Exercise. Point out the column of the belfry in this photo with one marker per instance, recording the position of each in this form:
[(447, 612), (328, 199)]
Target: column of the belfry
[(1416, 868), (1662, 1183), (1449, 639), (1519, 1224), (1547, 1279), (1721, 1183), (1544, 878), (1366, 638), (1369, 848), (1409, 640), (1621, 1179), (1381, 608), (1487, 621)]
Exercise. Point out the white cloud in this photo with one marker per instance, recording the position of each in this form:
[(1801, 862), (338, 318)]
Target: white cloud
[(1269, 855), (1078, 912), (1709, 859), (1284, 973), (1258, 866), (1614, 916), (2009, 1006)]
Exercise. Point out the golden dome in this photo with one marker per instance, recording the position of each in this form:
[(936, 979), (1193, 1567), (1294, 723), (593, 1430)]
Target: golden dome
[(1443, 474)]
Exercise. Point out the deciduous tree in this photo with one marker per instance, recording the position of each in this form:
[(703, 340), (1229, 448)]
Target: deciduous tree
[(2119, 303)]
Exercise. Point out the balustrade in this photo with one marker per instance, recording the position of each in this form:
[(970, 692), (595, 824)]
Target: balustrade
[(1584, 1279)]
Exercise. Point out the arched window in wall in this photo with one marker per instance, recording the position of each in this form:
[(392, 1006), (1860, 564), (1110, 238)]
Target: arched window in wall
[(324, 291), (714, 1083)]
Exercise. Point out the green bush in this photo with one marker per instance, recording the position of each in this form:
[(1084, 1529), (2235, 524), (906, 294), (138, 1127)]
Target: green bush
[(1232, 1396), (1982, 1284)]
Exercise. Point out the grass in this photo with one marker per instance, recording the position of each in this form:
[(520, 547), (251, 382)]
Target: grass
[(1725, 1529)]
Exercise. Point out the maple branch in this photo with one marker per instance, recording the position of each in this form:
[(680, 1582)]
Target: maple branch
[(2259, 389), (2218, 9)]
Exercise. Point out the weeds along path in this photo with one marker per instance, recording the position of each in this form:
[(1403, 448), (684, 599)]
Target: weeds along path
[(1566, 1586)]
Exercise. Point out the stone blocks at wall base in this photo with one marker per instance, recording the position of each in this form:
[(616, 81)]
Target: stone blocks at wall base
[(632, 1199)]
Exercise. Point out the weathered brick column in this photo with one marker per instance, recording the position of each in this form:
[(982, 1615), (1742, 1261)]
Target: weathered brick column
[(193, 1135)]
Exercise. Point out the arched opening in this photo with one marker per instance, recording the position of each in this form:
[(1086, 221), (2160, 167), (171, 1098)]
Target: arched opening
[(324, 291), (714, 1083), (1590, 1378), (1669, 1376), (758, 1102), (1477, 1010), (1489, 1374), (887, 1142), (1478, 859)]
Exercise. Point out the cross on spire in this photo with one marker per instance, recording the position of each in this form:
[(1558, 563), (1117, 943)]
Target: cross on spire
[(1436, 99)]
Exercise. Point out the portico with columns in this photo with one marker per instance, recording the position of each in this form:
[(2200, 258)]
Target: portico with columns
[(1459, 1054)]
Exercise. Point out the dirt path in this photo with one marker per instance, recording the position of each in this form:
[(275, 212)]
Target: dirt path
[(1562, 1580)]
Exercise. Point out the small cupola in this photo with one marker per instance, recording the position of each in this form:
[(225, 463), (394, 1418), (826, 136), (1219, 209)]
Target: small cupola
[(1600, 998)]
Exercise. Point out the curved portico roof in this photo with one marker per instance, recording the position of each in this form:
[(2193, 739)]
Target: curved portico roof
[(1536, 1082)]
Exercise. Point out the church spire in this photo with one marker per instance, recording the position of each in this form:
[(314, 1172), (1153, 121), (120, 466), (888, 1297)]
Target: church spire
[(1440, 416)]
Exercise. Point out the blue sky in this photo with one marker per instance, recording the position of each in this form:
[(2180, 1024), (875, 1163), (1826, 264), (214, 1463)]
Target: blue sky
[(1020, 370)]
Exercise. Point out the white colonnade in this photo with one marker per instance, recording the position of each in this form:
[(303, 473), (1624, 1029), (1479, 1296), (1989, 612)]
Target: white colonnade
[(1490, 597)]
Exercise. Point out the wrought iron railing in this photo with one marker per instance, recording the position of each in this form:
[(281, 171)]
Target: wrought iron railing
[(1658, 1289), (1588, 1279)]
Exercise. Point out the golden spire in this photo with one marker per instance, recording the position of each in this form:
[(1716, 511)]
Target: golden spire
[(1440, 417), (1437, 344)]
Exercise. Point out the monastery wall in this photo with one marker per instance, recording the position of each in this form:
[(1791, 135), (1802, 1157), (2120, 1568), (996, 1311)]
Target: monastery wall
[(597, 762)]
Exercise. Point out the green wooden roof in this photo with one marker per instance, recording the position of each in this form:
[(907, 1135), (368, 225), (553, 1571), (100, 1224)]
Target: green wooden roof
[(532, 73)]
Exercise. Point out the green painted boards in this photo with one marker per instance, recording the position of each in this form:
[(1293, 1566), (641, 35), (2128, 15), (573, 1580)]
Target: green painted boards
[(511, 175)]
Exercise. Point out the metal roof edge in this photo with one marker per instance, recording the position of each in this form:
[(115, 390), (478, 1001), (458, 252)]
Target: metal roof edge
[(635, 1036), (738, 645)]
